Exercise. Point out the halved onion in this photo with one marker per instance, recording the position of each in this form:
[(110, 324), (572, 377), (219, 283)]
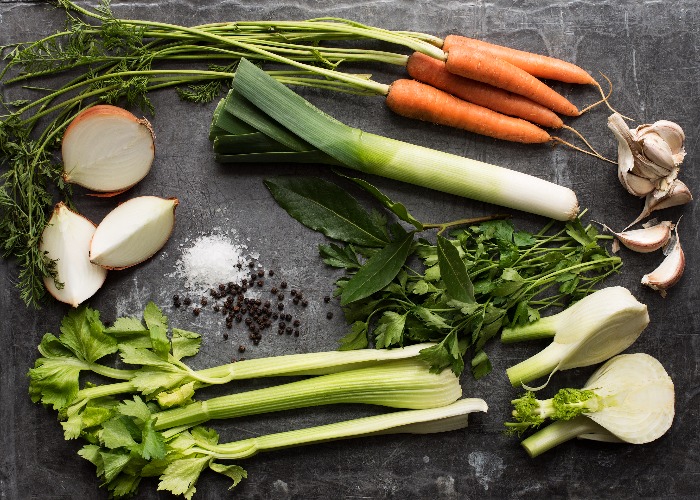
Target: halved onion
[(66, 239), (133, 232), (107, 149)]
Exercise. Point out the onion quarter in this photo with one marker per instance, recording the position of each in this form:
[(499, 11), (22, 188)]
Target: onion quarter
[(133, 232), (66, 239)]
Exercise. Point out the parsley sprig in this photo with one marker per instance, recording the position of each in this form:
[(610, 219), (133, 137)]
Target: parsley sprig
[(460, 291)]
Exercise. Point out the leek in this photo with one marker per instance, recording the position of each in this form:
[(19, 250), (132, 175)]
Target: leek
[(591, 331), (374, 154), (629, 399)]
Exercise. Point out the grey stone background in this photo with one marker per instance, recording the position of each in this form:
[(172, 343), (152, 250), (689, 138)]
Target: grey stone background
[(649, 49)]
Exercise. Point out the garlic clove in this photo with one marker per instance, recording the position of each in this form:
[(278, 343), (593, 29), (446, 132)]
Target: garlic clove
[(659, 152), (638, 186), (669, 271), (66, 239), (648, 239), (670, 132), (133, 232), (676, 194), (106, 148)]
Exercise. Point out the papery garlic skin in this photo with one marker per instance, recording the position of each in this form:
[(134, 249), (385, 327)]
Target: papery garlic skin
[(66, 239)]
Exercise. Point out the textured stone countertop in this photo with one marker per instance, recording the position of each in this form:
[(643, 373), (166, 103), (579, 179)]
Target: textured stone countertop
[(650, 50)]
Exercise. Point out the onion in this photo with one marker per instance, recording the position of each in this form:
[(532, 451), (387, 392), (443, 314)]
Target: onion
[(133, 232), (66, 239), (107, 149)]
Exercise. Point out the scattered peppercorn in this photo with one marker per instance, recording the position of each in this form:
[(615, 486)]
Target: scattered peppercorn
[(251, 264), (283, 284), (296, 333), (217, 308), (293, 292), (304, 303), (280, 306), (327, 299), (261, 283), (225, 336), (295, 300), (288, 330), (329, 315), (271, 272), (203, 301), (261, 273), (274, 290), (297, 322), (187, 301), (241, 348), (196, 311)]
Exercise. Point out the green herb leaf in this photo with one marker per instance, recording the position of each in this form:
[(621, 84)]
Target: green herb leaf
[(454, 272), (83, 333), (152, 443), (481, 365), (398, 209), (390, 329), (378, 271), (185, 343), (356, 339), (181, 475), (157, 325), (337, 256), (234, 472), (325, 207), (115, 434)]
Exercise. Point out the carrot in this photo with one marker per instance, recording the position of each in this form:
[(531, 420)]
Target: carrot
[(414, 99), (429, 70), (537, 65), (481, 66)]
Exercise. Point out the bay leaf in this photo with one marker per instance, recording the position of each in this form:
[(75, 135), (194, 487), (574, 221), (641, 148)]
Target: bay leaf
[(378, 271), (454, 272), (325, 207)]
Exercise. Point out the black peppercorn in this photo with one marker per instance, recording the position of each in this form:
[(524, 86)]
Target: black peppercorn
[(326, 299), (261, 273), (280, 296), (283, 284), (196, 311), (297, 322), (239, 265), (241, 348), (296, 333), (187, 301), (176, 298), (251, 264), (222, 287), (293, 292), (239, 318), (304, 303), (256, 341), (329, 315), (229, 325), (271, 272), (288, 317), (280, 306), (267, 304), (295, 300), (274, 290), (203, 301), (217, 308), (288, 330), (261, 283), (275, 316), (225, 336)]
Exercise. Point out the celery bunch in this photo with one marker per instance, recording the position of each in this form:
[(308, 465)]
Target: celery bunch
[(147, 422)]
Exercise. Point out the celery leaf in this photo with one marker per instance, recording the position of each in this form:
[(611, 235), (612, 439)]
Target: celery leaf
[(83, 333), (235, 472), (157, 325)]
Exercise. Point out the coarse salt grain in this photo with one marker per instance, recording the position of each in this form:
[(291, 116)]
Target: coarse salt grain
[(210, 260)]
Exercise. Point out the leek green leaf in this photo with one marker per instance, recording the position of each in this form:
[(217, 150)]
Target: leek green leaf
[(397, 208), (454, 272), (378, 271), (325, 207)]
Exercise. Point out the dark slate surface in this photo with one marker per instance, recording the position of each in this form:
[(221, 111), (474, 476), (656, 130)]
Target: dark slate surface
[(651, 52)]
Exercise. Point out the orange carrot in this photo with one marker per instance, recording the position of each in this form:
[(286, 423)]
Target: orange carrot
[(429, 70), (537, 65), (481, 66), (414, 99)]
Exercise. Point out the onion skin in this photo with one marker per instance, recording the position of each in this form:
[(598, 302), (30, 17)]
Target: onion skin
[(71, 150)]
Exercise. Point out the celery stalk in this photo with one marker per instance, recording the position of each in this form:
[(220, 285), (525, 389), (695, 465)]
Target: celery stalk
[(397, 384), (446, 418)]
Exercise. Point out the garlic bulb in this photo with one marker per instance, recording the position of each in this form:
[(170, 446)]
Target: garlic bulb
[(66, 239), (133, 232), (648, 156)]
